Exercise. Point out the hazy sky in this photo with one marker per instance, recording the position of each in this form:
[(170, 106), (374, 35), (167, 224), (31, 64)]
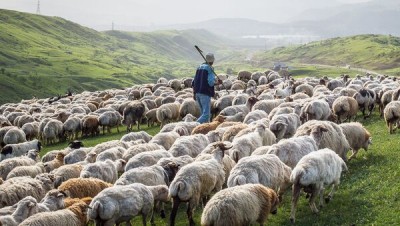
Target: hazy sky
[(94, 13)]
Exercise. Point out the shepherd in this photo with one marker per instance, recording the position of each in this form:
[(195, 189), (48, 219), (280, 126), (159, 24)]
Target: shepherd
[(203, 87)]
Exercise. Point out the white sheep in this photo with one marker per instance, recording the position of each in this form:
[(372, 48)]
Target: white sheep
[(15, 150), (255, 116), (267, 170), (14, 136), (313, 173), (106, 171), (318, 110), (366, 100), (234, 109), (27, 160), (66, 172), (121, 203), (284, 125), (53, 131), (179, 161), (165, 139), (24, 209), (72, 126), (113, 154), (244, 145), (133, 136), (391, 114), (189, 145), (139, 148), (31, 171), (167, 113), (291, 150), (77, 155), (333, 138), (15, 189), (240, 205), (147, 158), (197, 180)]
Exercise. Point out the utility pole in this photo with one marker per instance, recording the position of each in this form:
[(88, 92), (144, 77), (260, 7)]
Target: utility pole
[(38, 8)]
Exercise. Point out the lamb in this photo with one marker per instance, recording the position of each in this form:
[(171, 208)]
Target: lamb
[(106, 171), (121, 203), (244, 145), (233, 110), (24, 209), (14, 136), (333, 138), (15, 150), (195, 181), (255, 116), (31, 171), (83, 187), (147, 158), (313, 172), (240, 205), (66, 172), (391, 114), (74, 215), (267, 170), (290, 151), (110, 119), (136, 149), (8, 164), (346, 107), (357, 136), (207, 127), (55, 163), (284, 125), (133, 112), (15, 189)]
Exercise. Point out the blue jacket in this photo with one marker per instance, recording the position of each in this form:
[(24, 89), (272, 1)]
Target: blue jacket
[(204, 80)]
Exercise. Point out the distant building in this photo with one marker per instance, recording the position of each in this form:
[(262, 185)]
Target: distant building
[(279, 66)]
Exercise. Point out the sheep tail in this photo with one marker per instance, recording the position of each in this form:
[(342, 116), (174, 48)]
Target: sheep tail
[(296, 175), (175, 188), (93, 212), (240, 180)]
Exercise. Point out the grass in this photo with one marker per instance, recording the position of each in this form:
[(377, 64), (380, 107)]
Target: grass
[(368, 194)]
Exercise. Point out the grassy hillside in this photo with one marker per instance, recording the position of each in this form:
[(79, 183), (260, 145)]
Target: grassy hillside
[(374, 52), (43, 56)]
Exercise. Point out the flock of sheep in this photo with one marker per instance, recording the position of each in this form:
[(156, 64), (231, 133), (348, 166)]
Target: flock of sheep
[(268, 134)]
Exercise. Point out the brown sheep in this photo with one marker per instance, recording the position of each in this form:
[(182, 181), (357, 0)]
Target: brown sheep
[(55, 163), (71, 201), (231, 132), (207, 127), (90, 126), (346, 107), (83, 187)]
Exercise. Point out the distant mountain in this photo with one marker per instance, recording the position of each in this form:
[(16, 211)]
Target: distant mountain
[(374, 17)]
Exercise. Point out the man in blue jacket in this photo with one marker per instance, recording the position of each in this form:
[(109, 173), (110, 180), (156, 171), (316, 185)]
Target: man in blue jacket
[(203, 87)]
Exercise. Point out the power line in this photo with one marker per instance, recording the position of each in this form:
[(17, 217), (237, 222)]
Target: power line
[(38, 8)]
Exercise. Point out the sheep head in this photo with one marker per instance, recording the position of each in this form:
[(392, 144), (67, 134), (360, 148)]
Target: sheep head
[(171, 169), (220, 118)]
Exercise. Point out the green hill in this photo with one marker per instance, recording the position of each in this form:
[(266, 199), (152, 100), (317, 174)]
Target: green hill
[(43, 56), (374, 52)]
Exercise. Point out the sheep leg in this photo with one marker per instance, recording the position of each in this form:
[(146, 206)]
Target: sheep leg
[(330, 195), (162, 212), (189, 212), (144, 220), (314, 194), (371, 108), (353, 155), (118, 128), (321, 197), (295, 198), (175, 205)]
